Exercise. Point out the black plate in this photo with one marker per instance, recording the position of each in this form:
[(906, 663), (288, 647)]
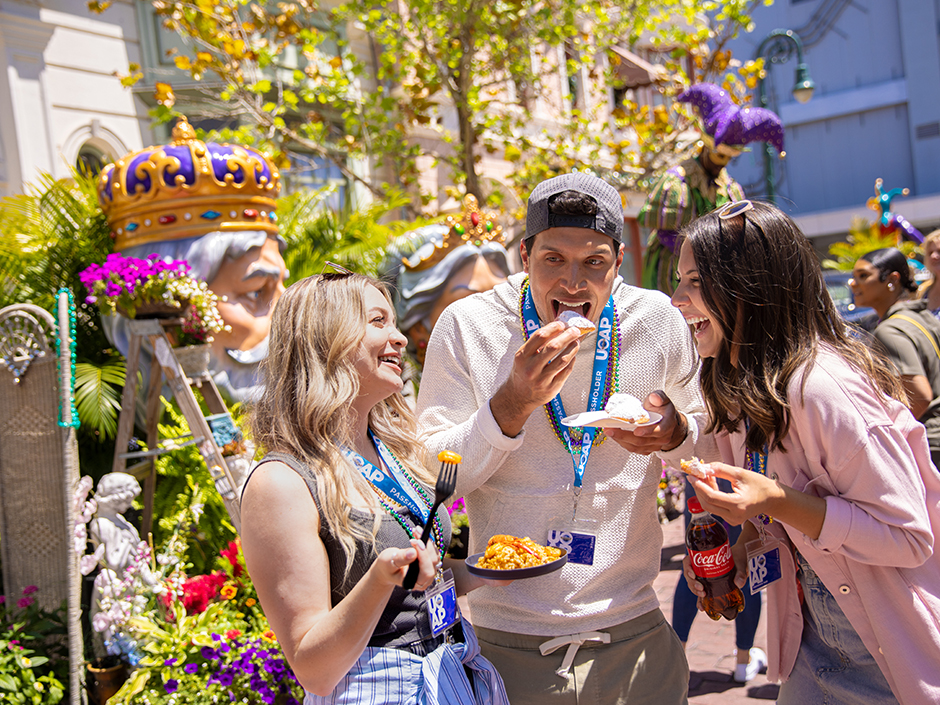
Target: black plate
[(515, 573)]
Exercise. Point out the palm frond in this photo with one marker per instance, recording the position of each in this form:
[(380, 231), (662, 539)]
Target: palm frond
[(98, 395)]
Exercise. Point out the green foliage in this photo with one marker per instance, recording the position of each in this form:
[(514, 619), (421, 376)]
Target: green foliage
[(26, 630), (353, 238), (863, 237), (98, 395), (367, 81)]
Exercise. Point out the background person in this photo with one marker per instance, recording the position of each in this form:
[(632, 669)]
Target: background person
[(329, 516), (927, 290), (824, 457), (495, 362), (907, 332), (749, 659)]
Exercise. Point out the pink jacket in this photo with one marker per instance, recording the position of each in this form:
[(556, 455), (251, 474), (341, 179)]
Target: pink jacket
[(868, 457)]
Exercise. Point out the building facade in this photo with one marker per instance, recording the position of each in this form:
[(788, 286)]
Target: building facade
[(875, 111), (60, 103)]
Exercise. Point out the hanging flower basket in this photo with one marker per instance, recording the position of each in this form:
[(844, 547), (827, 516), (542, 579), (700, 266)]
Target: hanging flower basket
[(154, 288), (154, 309)]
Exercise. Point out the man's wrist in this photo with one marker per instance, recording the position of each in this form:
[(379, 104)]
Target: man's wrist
[(680, 433), (510, 415)]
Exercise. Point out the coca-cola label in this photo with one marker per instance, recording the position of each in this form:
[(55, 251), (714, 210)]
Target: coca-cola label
[(713, 563)]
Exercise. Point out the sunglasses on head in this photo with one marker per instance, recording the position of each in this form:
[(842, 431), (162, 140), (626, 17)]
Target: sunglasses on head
[(733, 210), (339, 272)]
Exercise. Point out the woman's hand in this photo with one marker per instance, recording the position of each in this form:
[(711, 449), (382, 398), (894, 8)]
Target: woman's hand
[(738, 554), (394, 563), (751, 493)]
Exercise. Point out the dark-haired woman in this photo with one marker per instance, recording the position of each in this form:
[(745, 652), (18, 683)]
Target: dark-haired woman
[(823, 457), (908, 333), (330, 515)]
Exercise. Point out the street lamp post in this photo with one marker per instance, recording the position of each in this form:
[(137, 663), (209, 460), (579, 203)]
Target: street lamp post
[(777, 48)]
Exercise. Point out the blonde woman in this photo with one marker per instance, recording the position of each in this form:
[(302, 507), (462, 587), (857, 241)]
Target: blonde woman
[(329, 517)]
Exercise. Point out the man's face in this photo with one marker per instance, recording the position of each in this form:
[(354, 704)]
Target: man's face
[(571, 269), (248, 288)]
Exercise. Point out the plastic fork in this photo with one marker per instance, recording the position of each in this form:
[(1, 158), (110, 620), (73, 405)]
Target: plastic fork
[(444, 488)]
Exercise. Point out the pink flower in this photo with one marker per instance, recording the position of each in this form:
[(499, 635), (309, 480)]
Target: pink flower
[(3, 599), (30, 589), (25, 602)]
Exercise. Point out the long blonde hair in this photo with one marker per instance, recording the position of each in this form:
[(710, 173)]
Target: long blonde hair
[(310, 381)]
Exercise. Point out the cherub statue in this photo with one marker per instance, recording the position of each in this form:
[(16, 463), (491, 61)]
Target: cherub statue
[(120, 553)]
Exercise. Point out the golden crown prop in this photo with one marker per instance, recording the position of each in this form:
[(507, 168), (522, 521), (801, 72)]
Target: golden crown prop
[(186, 189), (471, 226)]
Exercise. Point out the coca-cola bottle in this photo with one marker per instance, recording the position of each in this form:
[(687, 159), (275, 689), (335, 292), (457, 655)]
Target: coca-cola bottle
[(710, 553)]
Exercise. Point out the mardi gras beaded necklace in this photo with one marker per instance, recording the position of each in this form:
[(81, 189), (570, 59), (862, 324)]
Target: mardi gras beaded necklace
[(397, 513)]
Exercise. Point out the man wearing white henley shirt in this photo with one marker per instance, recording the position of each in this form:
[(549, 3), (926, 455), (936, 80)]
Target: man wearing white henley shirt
[(592, 632)]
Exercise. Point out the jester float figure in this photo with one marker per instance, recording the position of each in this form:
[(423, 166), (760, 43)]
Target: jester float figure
[(212, 205), (701, 183)]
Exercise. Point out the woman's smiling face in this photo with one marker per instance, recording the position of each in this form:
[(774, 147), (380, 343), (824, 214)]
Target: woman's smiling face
[(689, 300)]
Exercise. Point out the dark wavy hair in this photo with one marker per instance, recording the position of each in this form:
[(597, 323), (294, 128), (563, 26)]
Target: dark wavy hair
[(890, 259), (760, 278)]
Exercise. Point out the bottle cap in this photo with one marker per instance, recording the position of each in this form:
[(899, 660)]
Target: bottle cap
[(694, 505)]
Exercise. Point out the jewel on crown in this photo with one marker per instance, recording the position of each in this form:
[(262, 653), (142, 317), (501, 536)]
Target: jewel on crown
[(472, 226), (186, 189)]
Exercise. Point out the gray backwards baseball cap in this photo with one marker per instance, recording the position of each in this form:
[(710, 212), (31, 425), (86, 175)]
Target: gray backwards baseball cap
[(608, 219)]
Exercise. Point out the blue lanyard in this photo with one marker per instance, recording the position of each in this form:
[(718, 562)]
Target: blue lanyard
[(756, 461), (596, 401), (394, 485)]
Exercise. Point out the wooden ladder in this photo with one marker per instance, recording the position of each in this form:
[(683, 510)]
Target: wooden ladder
[(166, 365)]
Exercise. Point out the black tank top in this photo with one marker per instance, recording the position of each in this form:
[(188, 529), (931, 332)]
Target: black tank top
[(404, 619)]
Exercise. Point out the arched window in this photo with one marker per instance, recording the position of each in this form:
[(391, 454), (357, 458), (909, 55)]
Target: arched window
[(91, 160)]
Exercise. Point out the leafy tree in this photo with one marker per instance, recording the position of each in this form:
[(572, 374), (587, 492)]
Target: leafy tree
[(449, 80)]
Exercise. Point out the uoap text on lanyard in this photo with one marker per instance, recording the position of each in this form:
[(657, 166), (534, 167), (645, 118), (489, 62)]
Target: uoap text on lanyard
[(392, 484), (556, 409)]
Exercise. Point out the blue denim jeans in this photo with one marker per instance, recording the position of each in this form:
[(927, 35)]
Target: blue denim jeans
[(685, 603), (833, 666)]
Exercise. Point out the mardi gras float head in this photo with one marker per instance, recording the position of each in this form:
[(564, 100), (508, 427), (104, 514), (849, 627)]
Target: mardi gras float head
[(433, 266), (212, 205), (727, 128)]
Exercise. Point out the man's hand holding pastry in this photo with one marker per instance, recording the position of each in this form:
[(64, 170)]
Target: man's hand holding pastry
[(539, 371), (665, 435)]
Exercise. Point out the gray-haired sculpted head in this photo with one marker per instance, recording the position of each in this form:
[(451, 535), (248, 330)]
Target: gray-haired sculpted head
[(433, 266), (212, 205), (246, 270)]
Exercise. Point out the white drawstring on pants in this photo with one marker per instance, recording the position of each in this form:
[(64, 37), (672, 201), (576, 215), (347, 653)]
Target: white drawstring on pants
[(574, 642)]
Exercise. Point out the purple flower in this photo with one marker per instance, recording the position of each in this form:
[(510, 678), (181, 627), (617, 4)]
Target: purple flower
[(169, 662), (209, 653), (191, 668), (171, 685)]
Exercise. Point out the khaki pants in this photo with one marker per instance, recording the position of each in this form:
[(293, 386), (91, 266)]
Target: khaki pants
[(644, 663)]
